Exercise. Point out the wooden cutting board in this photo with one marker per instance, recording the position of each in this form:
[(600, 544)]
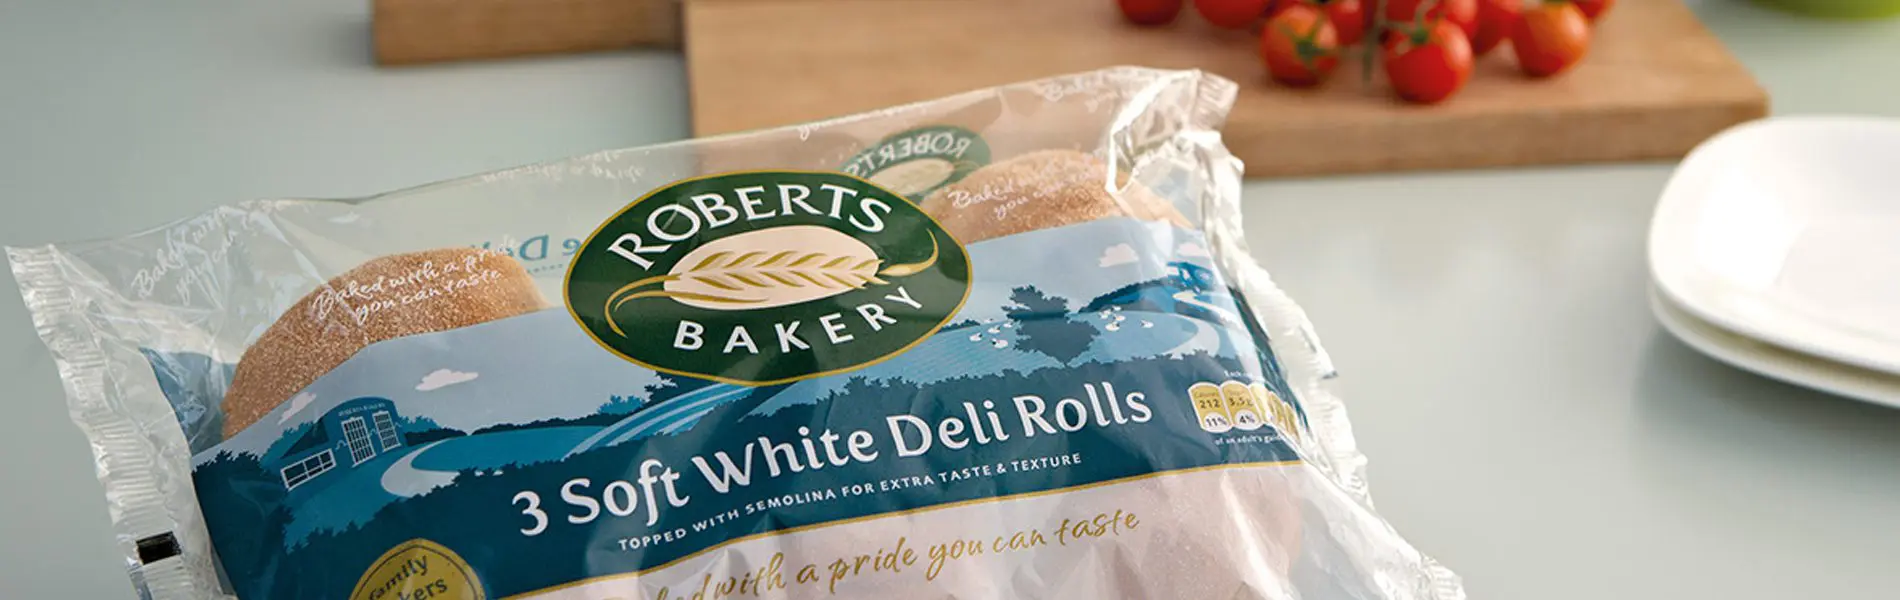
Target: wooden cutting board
[(406, 32), (1655, 84)]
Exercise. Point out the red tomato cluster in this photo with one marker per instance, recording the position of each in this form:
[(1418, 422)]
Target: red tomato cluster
[(1427, 46)]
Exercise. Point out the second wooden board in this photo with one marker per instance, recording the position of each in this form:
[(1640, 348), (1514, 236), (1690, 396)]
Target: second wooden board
[(1655, 84)]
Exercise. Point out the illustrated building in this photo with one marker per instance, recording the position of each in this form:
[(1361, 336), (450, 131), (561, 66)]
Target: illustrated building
[(350, 434)]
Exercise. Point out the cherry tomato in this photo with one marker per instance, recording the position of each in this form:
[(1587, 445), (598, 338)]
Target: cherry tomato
[(1463, 13), (1495, 20), (1150, 12), (1231, 14), (1550, 37), (1428, 63), (1594, 9), (1299, 46), (1348, 18)]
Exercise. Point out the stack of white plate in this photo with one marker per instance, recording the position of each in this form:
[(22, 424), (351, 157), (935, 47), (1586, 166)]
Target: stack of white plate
[(1776, 248)]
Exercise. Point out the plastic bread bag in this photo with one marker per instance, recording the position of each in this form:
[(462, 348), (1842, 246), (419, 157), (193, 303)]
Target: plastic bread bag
[(1006, 344)]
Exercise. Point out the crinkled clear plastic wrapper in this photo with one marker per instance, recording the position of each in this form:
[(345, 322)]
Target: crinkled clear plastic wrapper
[(1005, 344)]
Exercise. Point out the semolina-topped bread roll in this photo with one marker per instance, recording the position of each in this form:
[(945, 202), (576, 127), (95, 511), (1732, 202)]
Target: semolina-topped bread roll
[(1041, 190), (385, 298)]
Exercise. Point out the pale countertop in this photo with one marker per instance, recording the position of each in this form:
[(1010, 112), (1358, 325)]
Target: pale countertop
[(1528, 422)]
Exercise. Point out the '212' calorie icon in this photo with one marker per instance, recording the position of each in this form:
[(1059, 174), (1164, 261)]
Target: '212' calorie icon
[(1235, 405)]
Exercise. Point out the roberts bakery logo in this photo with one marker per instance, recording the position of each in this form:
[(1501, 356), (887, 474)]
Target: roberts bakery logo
[(766, 277), (917, 162)]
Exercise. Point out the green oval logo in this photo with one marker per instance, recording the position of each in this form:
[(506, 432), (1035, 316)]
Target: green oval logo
[(917, 162), (766, 277)]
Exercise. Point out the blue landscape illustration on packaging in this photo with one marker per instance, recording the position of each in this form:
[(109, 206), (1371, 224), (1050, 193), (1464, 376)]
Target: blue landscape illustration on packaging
[(1105, 301)]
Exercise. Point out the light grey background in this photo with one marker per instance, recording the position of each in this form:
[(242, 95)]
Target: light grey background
[(1528, 422)]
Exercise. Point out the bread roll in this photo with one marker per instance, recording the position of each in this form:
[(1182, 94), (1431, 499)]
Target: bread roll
[(388, 297), (1041, 190)]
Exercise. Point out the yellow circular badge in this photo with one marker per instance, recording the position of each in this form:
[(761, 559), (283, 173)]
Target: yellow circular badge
[(419, 570)]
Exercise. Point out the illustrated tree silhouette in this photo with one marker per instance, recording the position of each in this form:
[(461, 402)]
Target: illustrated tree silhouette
[(419, 430), (1047, 326), (621, 405)]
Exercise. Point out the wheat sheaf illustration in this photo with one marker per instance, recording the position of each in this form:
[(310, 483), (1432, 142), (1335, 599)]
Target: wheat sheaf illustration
[(767, 268)]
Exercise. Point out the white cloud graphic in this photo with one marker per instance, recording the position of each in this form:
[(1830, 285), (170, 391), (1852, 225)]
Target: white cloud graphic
[(442, 378), (1193, 249), (1118, 254), (297, 404)]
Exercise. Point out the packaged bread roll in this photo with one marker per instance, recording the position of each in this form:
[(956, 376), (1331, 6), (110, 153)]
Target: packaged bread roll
[(383, 299), (1001, 345), (1043, 190)]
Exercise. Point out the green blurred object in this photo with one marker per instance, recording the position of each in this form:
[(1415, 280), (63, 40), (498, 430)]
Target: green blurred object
[(1838, 9)]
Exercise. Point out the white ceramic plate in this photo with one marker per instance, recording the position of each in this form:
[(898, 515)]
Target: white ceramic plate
[(1779, 363), (1787, 230)]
